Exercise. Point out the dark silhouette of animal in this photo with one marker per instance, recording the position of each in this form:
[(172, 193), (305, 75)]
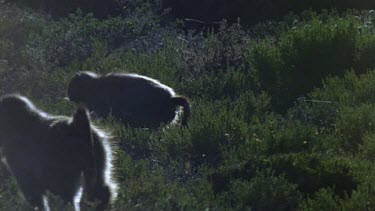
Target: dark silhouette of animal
[(65, 156), (138, 101)]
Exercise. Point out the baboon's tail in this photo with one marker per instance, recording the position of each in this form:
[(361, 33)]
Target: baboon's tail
[(184, 102)]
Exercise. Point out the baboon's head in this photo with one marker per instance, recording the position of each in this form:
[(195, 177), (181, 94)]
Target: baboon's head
[(80, 85), (13, 109), (16, 113), (80, 124)]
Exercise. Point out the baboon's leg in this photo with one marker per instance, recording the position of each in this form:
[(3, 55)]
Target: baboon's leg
[(95, 182)]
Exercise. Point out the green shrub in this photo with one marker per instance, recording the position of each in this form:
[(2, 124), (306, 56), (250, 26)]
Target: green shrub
[(320, 113), (216, 51), (361, 198), (263, 192), (366, 51), (270, 135), (72, 38), (313, 172), (351, 90), (324, 199), (17, 24), (291, 138), (309, 172), (147, 187), (352, 124), (309, 52), (251, 11), (367, 149)]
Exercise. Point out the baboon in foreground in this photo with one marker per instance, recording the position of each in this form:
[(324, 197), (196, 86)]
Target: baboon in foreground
[(136, 100), (66, 156)]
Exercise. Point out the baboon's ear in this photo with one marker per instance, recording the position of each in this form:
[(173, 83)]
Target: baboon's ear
[(81, 121)]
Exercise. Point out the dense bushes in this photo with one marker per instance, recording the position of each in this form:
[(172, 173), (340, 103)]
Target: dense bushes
[(309, 52), (252, 11), (207, 12), (354, 99), (263, 192), (73, 38), (100, 8)]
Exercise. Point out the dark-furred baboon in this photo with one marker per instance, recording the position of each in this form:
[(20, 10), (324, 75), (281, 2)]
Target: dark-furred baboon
[(58, 154), (138, 101)]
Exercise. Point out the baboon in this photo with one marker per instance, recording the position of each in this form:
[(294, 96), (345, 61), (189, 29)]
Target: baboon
[(136, 100), (65, 156)]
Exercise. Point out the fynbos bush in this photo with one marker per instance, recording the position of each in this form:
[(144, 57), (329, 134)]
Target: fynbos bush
[(307, 53)]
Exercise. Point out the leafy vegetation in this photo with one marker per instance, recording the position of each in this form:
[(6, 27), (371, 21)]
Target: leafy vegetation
[(282, 112), (251, 11)]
